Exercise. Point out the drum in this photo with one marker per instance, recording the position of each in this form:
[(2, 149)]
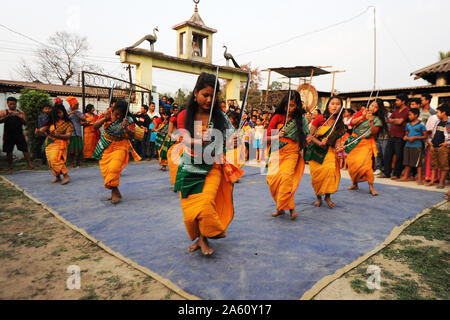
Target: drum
[(138, 133), (309, 95)]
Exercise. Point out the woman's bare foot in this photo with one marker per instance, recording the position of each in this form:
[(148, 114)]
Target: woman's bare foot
[(373, 192), (57, 179), (353, 187), (115, 196), (204, 245), (30, 166), (330, 203), (66, 179), (294, 215), (278, 213), (403, 179), (429, 184), (318, 202), (194, 247), (420, 182)]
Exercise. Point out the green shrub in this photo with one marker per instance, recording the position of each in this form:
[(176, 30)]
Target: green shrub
[(30, 102)]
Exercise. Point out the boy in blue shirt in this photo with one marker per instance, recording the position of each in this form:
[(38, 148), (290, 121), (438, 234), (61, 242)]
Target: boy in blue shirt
[(415, 136)]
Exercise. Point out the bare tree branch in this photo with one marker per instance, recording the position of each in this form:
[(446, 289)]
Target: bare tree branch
[(58, 62)]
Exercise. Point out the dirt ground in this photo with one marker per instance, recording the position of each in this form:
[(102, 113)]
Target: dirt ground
[(36, 249)]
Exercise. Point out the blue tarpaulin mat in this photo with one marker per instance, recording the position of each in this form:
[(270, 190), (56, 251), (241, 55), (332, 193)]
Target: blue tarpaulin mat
[(261, 257)]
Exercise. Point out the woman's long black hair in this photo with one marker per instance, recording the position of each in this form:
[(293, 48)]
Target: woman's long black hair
[(381, 113), (339, 121), (121, 105), (53, 118), (204, 80), (297, 115)]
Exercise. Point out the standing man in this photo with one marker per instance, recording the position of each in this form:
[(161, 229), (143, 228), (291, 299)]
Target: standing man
[(427, 111), (76, 140), (143, 121), (152, 112), (395, 145), (13, 132), (42, 118)]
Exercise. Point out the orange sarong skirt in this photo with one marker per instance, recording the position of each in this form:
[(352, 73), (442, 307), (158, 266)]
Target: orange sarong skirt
[(210, 212), (56, 153), (173, 157), (114, 159), (325, 177), (360, 161), (285, 170)]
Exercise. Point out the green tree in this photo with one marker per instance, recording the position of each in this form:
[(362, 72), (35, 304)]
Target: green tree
[(181, 97), (30, 102), (275, 85), (444, 55)]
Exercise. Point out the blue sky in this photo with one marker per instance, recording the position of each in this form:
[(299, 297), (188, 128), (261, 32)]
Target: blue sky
[(410, 35)]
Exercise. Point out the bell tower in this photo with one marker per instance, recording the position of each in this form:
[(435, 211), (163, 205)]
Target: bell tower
[(194, 38)]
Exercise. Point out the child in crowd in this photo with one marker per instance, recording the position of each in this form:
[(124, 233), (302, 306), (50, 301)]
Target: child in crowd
[(257, 142), (415, 135), (439, 146), (247, 130)]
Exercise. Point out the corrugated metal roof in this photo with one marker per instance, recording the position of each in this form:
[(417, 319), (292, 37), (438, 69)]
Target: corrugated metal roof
[(397, 89), (59, 89), (438, 67)]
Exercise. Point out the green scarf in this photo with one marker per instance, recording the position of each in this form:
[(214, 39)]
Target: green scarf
[(318, 153)]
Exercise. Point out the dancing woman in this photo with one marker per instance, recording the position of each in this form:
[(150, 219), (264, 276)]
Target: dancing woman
[(114, 147), (286, 165), (163, 140), (322, 151), (59, 129), (205, 189), (361, 147), (91, 136)]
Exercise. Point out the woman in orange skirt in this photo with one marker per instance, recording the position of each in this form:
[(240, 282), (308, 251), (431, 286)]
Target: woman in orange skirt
[(59, 129), (205, 183), (286, 165), (114, 147), (91, 136), (362, 148), (326, 132)]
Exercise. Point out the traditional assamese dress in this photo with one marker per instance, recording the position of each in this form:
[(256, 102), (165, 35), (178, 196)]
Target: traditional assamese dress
[(91, 136), (163, 142), (56, 149), (285, 165), (176, 150), (206, 191), (113, 152), (323, 162), (360, 152)]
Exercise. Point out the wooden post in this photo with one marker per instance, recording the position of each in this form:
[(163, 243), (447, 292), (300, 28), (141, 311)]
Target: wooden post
[(267, 90), (332, 86), (83, 92)]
